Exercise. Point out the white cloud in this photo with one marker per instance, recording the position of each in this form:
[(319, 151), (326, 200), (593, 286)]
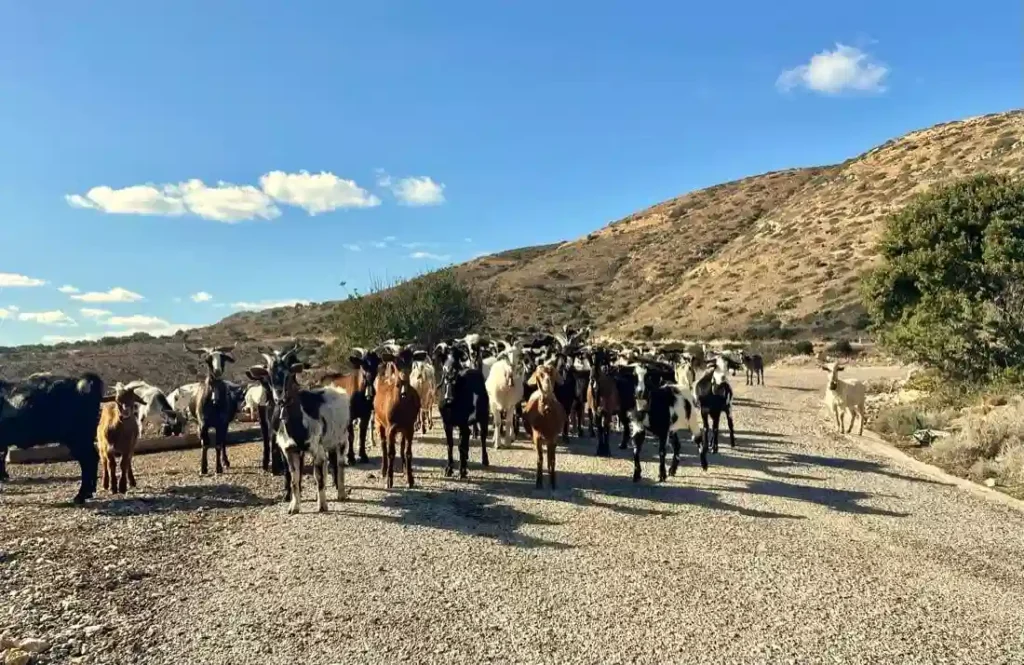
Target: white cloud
[(93, 313), (353, 248), (140, 321), (176, 299), (67, 288), (267, 304), (15, 280), (417, 245), (134, 200), (202, 296), (51, 318), (468, 239), (379, 244), (226, 202), (116, 294), (316, 192), (418, 191), (428, 255), (832, 72), (479, 255)]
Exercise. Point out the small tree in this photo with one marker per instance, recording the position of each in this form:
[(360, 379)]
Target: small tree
[(949, 291), (426, 309)]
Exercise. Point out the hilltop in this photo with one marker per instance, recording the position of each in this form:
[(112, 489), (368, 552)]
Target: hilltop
[(773, 255)]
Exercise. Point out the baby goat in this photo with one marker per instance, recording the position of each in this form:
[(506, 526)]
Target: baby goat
[(116, 436), (842, 395)]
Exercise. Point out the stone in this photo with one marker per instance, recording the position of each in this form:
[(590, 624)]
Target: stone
[(90, 631), (33, 645), (17, 657)]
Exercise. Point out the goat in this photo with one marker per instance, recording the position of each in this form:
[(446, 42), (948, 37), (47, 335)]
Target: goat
[(314, 421), (277, 363), (754, 365), (396, 405), (116, 436), (155, 407), (214, 405), (714, 400), (663, 409), (422, 379), (546, 417), (255, 397), (602, 403), (462, 403), (53, 409), (359, 384), (505, 390), (842, 395)]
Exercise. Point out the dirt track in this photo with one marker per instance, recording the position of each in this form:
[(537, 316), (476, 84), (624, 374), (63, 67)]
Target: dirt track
[(795, 545)]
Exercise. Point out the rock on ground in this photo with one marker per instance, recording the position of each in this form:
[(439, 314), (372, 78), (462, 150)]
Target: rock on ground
[(796, 546)]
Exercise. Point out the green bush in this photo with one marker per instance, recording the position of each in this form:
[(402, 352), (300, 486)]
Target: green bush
[(804, 348), (426, 309), (949, 290), (842, 348)]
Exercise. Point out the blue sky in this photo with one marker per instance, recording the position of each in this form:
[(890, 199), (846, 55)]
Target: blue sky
[(386, 138)]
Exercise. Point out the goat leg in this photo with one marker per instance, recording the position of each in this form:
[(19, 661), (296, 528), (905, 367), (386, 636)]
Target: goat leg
[(662, 449), (318, 475), (204, 443), (483, 441), (222, 439), (551, 462), (449, 470), (407, 457), (538, 447), (463, 452), (295, 476), (350, 452), (732, 434), (676, 445), (3, 464), (638, 444), (122, 482)]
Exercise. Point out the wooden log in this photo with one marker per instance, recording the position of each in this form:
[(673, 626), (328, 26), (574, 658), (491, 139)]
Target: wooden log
[(58, 453)]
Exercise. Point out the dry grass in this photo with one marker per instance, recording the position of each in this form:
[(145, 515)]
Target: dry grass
[(989, 444)]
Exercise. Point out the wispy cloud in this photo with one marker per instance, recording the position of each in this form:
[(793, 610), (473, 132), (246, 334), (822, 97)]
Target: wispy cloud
[(429, 256), (201, 296), (152, 325), (353, 247), (416, 245), (116, 294), (93, 313), (14, 280), (67, 288), (52, 318), (267, 304), (832, 72), (414, 190)]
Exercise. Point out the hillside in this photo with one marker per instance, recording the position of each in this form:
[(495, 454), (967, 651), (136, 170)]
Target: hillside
[(773, 255)]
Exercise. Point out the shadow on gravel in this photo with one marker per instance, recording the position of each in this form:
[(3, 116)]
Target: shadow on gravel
[(845, 501), (799, 389), (179, 498), (860, 466), (465, 511)]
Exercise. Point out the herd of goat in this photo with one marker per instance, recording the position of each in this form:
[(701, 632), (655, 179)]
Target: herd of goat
[(545, 385)]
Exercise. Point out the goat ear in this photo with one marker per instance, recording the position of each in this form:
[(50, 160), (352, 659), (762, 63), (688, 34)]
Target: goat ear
[(826, 369), (840, 368), (355, 361), (419, 355), (228, 357), (106, 398), (532, 381), (257, 372), (296, 368)]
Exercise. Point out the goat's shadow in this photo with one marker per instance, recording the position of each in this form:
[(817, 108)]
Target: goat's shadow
[(464, 510), (179, 498)]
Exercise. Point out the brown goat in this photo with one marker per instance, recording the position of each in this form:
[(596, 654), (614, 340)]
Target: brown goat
[(546, 418), (603, 403), (396, 406), (116, 436)]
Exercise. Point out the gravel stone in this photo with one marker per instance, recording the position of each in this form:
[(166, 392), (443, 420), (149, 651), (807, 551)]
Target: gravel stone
[(796, 546)]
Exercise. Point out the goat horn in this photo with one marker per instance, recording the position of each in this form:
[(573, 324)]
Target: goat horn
[(191, 350)]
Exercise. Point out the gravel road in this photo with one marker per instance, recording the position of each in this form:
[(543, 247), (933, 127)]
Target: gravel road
[(795, 546)]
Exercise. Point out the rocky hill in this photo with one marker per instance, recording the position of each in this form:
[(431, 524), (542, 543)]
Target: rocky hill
[(773, 255)]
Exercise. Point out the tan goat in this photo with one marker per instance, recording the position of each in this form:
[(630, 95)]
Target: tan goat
[(116, 436), (396, 406), (546, 418)]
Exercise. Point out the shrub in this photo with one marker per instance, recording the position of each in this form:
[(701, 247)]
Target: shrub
[(990, 444), (842, 348), (949, 290), (647, 332), (427, 309), (804, 348)]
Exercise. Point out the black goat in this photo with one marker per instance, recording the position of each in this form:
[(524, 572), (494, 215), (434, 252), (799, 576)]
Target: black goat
[(754, 365), (463, 403), (53, 409), (714, 399), (215, 405)]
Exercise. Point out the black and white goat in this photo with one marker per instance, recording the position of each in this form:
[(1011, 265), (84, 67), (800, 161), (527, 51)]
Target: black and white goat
[(358, 382), (714, 399), (463, 403), (277, 364), (155, 407), (662, 408), (53, 409), (215, 405), (308, 421)]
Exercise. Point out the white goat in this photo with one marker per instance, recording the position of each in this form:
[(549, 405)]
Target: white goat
[(155, 407), (505, 390), (255, 397), (422, 379), (842, 395)]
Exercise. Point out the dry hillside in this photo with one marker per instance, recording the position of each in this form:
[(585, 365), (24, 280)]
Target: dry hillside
[(781, 252)]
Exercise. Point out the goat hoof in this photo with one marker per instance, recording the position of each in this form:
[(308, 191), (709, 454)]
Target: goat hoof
[(449, 472), (463, 474), (363, 459), (636, 477)]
